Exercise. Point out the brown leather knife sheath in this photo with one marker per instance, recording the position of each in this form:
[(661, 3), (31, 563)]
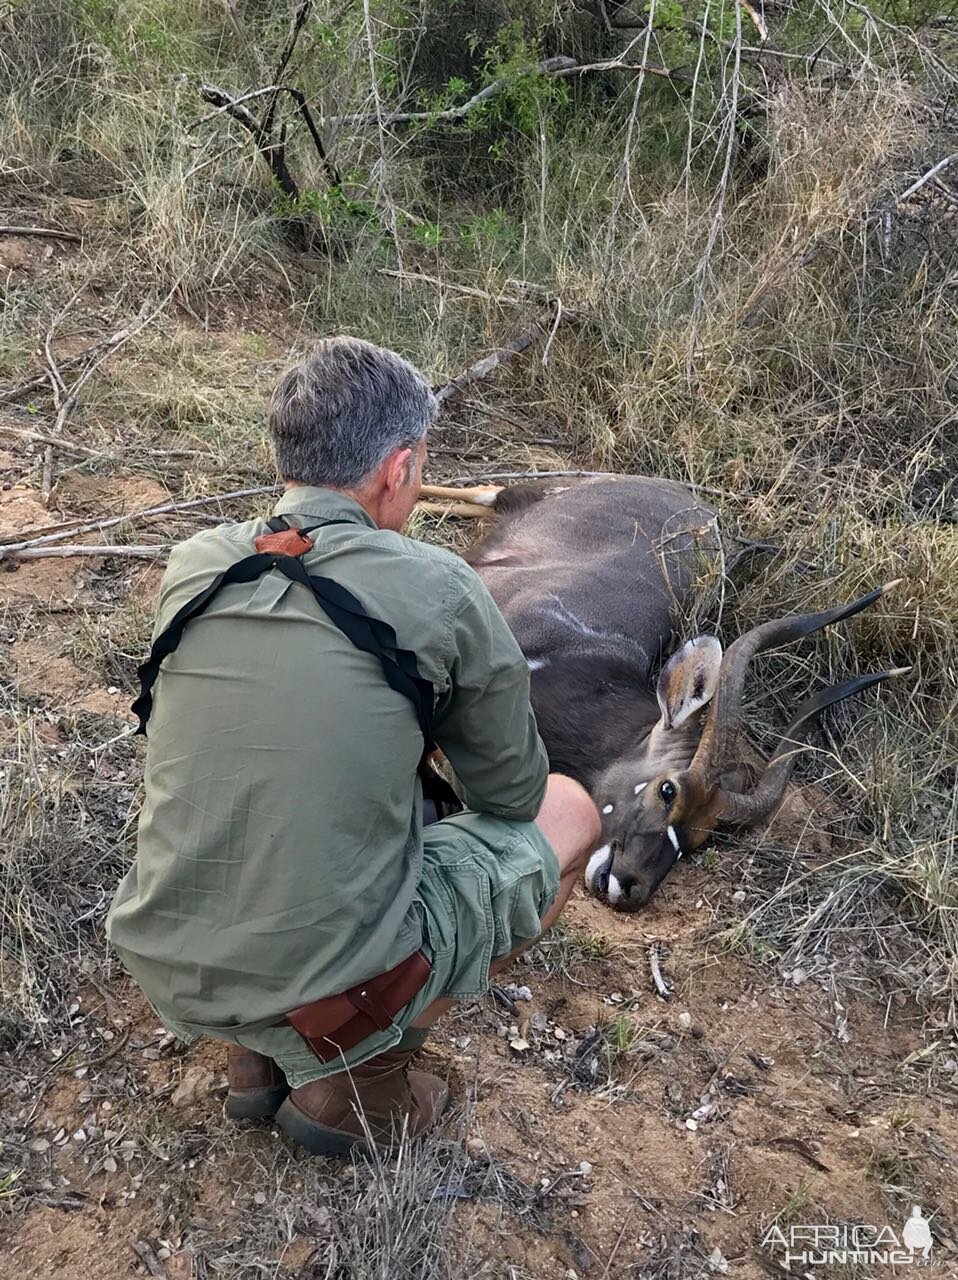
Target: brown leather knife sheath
[(334, 1024)]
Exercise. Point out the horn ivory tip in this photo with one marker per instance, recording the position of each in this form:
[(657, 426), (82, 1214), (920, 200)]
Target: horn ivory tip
[(890, 586)]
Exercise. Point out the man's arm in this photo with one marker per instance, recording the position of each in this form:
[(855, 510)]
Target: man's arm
[(484, 723)]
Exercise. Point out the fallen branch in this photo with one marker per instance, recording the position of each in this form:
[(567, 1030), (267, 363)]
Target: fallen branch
[(76, 528), (49, 233), (38, 437), (482, 368), (100, 455), (148, 552)]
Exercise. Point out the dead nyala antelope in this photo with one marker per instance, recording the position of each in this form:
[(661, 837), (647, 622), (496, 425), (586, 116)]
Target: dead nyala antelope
[(589, 575)]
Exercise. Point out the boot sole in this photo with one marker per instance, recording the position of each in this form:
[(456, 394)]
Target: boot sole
[(321, 1140), (255, 1104)]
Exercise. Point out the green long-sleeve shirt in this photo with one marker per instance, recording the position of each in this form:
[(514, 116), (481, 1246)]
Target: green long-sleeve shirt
[(280, 840)]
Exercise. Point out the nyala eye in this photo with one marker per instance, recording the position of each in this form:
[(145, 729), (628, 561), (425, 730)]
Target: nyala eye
[(667, 791)]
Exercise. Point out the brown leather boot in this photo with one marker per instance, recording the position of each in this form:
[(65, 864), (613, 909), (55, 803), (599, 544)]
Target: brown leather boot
[(257, 1086), (327, 1116)]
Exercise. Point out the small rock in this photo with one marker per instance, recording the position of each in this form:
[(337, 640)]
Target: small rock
[(702, 1115), (478, 1148), (798, 976), (196, 1084), (109, 1165), (259, 1197), (585, 1168), (39, 1145), (691, 1124), (519, 1044), (717, 1261), (559, 1033), (685, 1019), (80, 1135)]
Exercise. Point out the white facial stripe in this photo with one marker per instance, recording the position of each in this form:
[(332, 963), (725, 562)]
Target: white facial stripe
[(615, 890), (608, 808), (675, 841), (596, 863), (536, 664), (639, 788)]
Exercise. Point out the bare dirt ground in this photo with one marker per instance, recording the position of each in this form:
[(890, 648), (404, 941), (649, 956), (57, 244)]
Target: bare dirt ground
[(599, 1130)]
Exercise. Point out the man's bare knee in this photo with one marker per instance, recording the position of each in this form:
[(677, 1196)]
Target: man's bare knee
[(570, 822)]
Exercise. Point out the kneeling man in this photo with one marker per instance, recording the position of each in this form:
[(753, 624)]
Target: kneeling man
[(287, 897)]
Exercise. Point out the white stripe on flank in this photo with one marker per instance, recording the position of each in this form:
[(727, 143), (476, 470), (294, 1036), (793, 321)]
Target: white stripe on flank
[(536, 664)]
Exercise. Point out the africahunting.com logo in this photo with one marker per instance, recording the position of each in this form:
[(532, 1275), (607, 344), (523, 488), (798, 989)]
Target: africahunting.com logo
[(841, 1244)]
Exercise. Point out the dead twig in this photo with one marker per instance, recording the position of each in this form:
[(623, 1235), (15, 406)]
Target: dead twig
[(560, 65), (117, 1046), (145, 1252), (488, 364), (43, 379), (927, 177), (297, 22), (655, 967), (48, 233), (469, 291), (64, 400), (273, 153)]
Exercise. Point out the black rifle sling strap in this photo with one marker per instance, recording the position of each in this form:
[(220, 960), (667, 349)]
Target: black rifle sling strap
[(344, 610)]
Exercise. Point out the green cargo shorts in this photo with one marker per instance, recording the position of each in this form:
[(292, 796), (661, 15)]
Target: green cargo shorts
[(486, 883)]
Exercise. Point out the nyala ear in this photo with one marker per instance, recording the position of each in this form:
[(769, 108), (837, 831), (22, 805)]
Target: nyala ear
[(688, 680)]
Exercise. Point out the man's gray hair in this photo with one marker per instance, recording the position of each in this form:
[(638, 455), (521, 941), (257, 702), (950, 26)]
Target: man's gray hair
[(343, 410)]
